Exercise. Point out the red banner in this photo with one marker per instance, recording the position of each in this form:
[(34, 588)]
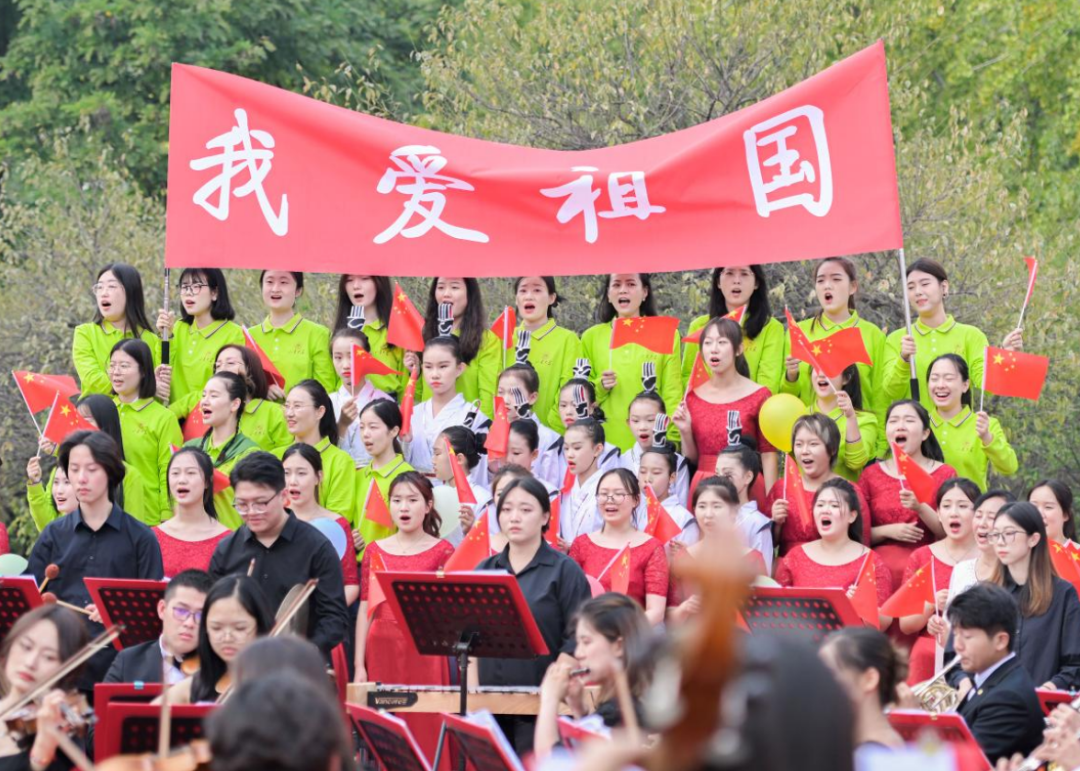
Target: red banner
[(265, 178)]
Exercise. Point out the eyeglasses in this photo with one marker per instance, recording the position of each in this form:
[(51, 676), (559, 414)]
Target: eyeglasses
[(255, 507), (1003, 536), (192, 289), (99, 287), (183, 614), (121, 367), (618, 497)]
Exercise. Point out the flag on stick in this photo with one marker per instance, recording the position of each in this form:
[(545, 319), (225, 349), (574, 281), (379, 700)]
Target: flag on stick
[(1012, 373), (864, 598), (64, 420), (474, 549), (406, 326), (656, 333), (272, 372), (920, 482)]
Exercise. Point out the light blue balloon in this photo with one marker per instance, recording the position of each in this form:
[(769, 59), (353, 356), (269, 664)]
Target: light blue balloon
[(332, 530), (12, 565)]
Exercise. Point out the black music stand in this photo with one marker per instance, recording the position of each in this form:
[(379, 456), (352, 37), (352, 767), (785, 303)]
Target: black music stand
[(804, 614), (465, 614), (130, 604), (388, 739), (18, 595)]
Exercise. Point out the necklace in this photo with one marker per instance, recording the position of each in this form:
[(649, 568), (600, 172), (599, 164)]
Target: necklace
[(409, 548)]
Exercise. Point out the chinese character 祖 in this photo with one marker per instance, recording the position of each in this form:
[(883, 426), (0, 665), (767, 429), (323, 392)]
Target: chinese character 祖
[(627, 200), (238, 155), (420, 178), (789, 170)]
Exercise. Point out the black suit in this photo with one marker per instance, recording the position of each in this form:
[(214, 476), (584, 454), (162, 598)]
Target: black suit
[(141, 663), (1004, 713)]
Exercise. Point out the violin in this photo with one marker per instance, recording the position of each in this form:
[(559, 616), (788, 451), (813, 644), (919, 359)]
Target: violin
[(77, 712), (193, 757)]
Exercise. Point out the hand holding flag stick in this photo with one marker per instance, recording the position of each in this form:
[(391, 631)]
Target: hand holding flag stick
[(165, 331), (1033, 272)]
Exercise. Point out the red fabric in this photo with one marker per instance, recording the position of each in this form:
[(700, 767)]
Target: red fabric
[(260, 177), (1011, 373), (194, 427), (864, 598), (39, 390), (461, 479), (178, 556), (921, 663), (882, 494), (504, 326), (659, 524), (375, 509), (657, 333), (64, 420), (709, 423), (406, 326), (474, 549), (798, 570), (349, 570), (801, 348), (498, 437), (796, 531), (1033, 271), (408, 401), (364, 364), (5, 545), (915, 477), (273, 374), (736, 316), (679, 591), (648, 566), (390, 655)]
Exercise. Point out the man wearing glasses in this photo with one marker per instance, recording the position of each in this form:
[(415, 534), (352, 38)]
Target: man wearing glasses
[(180, 612), (280, 551)]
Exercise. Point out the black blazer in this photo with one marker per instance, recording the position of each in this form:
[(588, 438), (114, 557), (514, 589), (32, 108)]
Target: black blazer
[(1004, 714), (141, 663)]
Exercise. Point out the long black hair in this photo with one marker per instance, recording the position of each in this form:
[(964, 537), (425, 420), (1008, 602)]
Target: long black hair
[(758, 311), (138, 350), (206, 466), (221, 308), (930, 447), (549, 284), (384, 300), (103, 410), (250, 595), (473, 324), (258, 386), (846, 492), (389, 413), (327, 423), (605, 311), (134, 301), (961, 369)]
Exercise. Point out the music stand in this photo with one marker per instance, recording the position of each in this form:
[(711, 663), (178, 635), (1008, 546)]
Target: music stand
[(1050, 699), (950, 727), (18, 595), (573, 735), (484, 746), (106, 694), (388, 738), (130, 604), (804, 614), (132, 729)]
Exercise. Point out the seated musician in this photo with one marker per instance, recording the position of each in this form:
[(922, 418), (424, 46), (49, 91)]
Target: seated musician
[(610, 633), (1001, 708), (282, 722), (33, 651), (554, 588), (234, 615), (1060, 745), (286, 550), (180, 612)]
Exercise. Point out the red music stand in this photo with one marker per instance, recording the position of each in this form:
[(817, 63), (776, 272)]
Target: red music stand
[(1050, 699), (130, 604), (804, 614), (132, 729), (388, 739), (573, 735), (18, 595), (106, 694), (483, 746), (950, 727)]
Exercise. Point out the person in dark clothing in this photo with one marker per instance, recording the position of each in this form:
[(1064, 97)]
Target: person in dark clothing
[(1000, 707)]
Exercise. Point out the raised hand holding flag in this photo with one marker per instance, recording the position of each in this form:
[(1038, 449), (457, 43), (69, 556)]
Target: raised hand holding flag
[(659, 523), (920, 482), (1012, 373), (39, 391), (864, 592)]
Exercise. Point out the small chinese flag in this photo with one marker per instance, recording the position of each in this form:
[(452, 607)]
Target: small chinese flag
[(406, 327), (911, 598), (1033, 272), (801, 347), (595, 587), (552, 534), (375, 509), (461, 479), (736, 316), (864, 598), (659, 523), (1011, 373), (568, 482), (795, 491), (39, 390), (272, 372), (699, 375), (1064, 563), (408, 401), (364, 364), (376, 595), (504, 327), (656, 333), (194, 427), (498, 438), (920, 482), (64, 420), (620, 571), (473, 550), (838, 351)]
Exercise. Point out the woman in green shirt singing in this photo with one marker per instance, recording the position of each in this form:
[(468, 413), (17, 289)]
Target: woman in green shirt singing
[(364, 304), (120, 314)]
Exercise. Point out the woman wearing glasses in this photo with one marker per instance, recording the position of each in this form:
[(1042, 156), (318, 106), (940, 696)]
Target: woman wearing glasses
[(602, 554), (1048, 639), (119, 314)]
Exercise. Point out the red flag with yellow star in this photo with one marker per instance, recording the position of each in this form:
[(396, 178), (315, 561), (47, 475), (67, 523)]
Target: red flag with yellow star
[(39, 390), (659, 523), (801, 347), (920, 482), (504, 326), (657, 333), (194, 427), (473, 550), (375, 509), (620, 571), (376, 595), (364, 364), (838, 351), (1012, 373), (699, 375), (736, 316), (406, 326), (1064, 563), (864, 598), (498, 438), (64, 420), (911, 598), (408, 402), (795, 492)]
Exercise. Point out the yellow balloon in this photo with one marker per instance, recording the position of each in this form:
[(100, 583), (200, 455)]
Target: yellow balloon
[(778, 416)]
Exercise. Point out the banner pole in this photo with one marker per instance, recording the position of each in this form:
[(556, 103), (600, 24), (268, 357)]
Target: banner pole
[(982, 388), (907, 319)]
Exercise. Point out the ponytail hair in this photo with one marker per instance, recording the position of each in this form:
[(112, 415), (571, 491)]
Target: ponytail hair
[(861, 648), (327, 423), (463, 442), (389, 413), (961, 369)]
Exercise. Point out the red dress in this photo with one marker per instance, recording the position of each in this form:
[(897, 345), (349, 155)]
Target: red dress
[(715, 426), (796, 529), (921, 664), (349, 569), (648, 566), (389, 655), (679, 592), (178, 556), (798, 570), (882, 493)]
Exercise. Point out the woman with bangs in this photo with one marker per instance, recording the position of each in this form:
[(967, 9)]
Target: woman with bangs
[(364, 305)]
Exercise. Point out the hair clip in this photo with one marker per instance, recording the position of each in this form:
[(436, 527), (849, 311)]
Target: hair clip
[(582, 368)]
